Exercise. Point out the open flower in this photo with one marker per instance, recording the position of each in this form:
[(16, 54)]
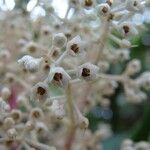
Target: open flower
[(88, 71), (58, 76), (75, 46), (40, 91), (103, 10), (127, 28), (134, 5)]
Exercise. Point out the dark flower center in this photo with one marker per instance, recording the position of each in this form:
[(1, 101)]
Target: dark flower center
[(126, 29), (41, 90), (105, 10), (75, 48), (58, 76), (85, 72)]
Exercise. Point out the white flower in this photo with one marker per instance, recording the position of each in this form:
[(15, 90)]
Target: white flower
[(12, 133), (59, 40), (87, 71), (103, 10), (58, 76), (127, 29), (75, 46), (40, 91), (58, 109), (30, 63), (134, 5)]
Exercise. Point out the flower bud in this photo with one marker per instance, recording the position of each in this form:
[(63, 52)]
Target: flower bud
[(122, 54), (29, 125), (133, 67), (58, 109), (87, 71), (41, 128), (36, 114), (12, 133), (125, 44), (5, 93), (58, 76), (83, 122), (30, 63), (59, 40), (9, 123), (16, 115), (75, 46)]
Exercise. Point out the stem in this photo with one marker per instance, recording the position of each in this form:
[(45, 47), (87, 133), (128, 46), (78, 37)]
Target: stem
[(71, 132), (59, 60)]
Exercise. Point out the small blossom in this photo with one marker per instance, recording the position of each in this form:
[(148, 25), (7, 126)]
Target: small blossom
[(5, 93), (36, 113), (75, 46), (58, 76), (127, 28), (9, 122), (4, 107), (59, 40), (133, 67), (134, 5), (103, 10), (88, 71), (16, 115), (12, 133), (40, 91)]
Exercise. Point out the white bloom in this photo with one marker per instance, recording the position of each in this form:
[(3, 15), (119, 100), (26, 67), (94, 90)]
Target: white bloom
[(134, 5), (75, 46), (58, 76), (59, 40), (127, 29), (40, 91), (30, 63), (87, 71), (12, 133), (103, 10)]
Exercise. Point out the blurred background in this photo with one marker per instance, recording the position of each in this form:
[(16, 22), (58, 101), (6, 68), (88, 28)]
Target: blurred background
[(127, 120)]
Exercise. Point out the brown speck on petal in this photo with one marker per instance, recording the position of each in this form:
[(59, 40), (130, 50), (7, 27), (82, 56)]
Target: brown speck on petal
[(88, 3)]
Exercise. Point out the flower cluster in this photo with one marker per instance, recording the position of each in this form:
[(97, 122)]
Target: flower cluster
[(54, 70)]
